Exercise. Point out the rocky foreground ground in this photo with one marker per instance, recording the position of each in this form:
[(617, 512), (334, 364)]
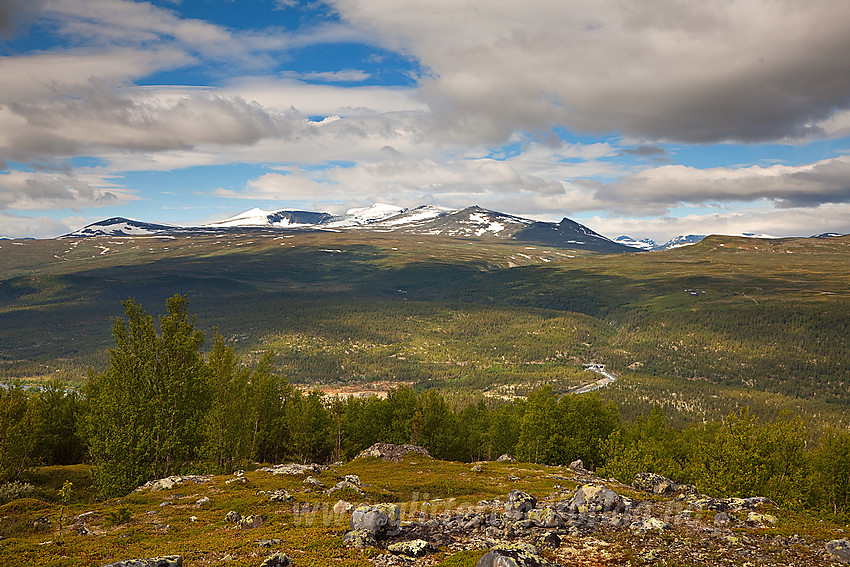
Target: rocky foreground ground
[(377, 510)]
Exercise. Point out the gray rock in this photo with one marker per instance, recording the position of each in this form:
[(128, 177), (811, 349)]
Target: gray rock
[(549, 540), (596, 498), (232, 516), (172, 481), (342, 485), (518, 555), (277, 560), (280, 496), (268, 542), (383, 520), (293, 469), (506, 459), (839, 550), (476, 468), (202, 502), (413, 548), (360, 538), (313, 481), (251, 522), (577, 465), (390, 452), (165, 561), (654, 483), (723, 519), (352, 478), (518, 504), (648, 525), (545, 517)]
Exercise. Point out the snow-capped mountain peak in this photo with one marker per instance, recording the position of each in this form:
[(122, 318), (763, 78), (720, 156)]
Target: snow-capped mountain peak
[(642, 244), (120, 226)]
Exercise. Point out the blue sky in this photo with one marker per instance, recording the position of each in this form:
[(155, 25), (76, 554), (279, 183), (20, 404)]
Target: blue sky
[(651, 118)]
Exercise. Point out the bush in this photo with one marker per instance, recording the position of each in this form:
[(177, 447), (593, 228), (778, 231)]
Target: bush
[(13, 490)]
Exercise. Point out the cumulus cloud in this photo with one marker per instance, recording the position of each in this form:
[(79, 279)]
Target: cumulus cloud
[(749, 70), (25, 190)]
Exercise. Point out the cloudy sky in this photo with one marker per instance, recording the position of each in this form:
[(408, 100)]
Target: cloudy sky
[(651, 118)]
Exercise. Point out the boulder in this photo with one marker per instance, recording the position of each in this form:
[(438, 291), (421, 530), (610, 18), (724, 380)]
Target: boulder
[(342, 485), (413, 548), (839, 550), (313, 481), (545, 517), (723, 519), (268, 542), (383, 520), (647, 525), (577, 465), (277, 560), (549, 540), (596, 498), (293, 469), (360, 538), (506, 459), (352, 478), (251, 522), (654, 483), (390, 452), (341, 507), (518, 504), (201, 502), (165, 561), (518, 555), (170, 482), (280, 496), (761, 519), (476, 468), (232, 516)]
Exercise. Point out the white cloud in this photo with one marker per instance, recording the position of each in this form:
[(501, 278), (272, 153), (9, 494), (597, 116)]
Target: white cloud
[(657, 190), (657, 69), (17, 226), (25, 190)]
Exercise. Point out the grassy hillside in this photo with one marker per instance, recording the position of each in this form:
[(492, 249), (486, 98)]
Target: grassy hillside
[(770, 316)]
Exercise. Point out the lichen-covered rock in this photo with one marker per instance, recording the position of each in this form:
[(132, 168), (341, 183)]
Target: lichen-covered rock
[(352, 478), (280, 496), (518, 555), (165, 561), (383, 520), (647, 525), (476, 468), (518, 504), (201, 502), (313, 481), (596, 498), (654, 483), (577, 465), (761, 519), (170, 482), (342, 485), (360, 538), (506, 459), (549, 540), (251, 522), (723, 519), (268, 542), (390, 452), (232, 516), (413, 548), (839, 550), (277, 560), (293, 469), (545, 517)]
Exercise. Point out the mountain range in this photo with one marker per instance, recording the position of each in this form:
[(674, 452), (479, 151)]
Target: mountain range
[(471, 222), (426, 220)]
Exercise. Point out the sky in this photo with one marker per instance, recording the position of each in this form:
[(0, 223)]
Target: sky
[(651, 118)]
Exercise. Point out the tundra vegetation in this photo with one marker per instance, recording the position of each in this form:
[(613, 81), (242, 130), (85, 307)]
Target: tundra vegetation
[(741, 390)]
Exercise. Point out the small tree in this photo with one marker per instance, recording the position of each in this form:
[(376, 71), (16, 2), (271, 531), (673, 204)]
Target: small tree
[(146, 411)]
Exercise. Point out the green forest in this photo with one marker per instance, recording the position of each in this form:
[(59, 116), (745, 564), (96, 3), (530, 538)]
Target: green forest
[(164, 405)]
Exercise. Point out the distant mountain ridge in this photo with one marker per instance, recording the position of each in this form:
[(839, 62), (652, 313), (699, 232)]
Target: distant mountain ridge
[(471, 222)]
